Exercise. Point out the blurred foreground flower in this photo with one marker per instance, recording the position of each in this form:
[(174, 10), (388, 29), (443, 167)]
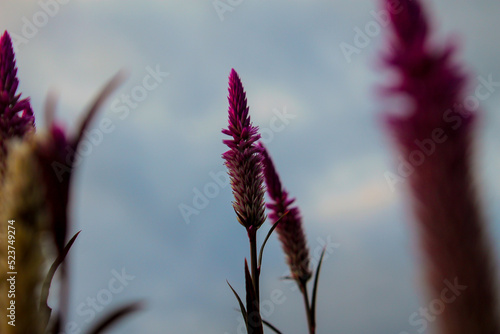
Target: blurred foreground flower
[(56, 156), (435, 136), (35, 195), (20, 197), (16, 116), (25, 216)]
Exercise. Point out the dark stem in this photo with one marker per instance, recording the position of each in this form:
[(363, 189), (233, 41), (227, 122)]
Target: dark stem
[(252, 234), (311, 322)]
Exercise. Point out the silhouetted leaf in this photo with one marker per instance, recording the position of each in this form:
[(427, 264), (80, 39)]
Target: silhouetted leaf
[(112, 318), (45, 309), (315, 286), (271, 326), (242, 307)]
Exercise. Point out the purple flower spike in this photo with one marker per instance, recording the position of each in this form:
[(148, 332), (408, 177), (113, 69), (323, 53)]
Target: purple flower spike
[(244, 159), (16, 116), (290, 231), (434, 135)]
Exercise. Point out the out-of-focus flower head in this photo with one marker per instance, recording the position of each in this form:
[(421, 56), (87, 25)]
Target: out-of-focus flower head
[(434, 134), (16, 115), (56, 152)]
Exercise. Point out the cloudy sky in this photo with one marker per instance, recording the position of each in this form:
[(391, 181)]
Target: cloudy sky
[(157, 145)]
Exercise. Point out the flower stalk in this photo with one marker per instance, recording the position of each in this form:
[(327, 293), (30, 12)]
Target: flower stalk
[(244, 163), (290, 233)]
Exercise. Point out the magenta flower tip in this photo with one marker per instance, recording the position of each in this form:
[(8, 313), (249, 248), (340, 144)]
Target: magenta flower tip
[(244, 159), (16, 116), (240, 127), (409, 21)]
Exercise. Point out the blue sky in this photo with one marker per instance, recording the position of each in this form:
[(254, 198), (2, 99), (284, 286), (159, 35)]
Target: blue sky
[(320, 113)]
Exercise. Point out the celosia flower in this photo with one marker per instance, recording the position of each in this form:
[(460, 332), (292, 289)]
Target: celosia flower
[(244, 159), (434, 135), (289, 229), (244, 163), (16, 116)]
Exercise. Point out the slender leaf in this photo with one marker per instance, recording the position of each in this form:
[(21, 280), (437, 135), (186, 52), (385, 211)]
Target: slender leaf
[(114, 316), (107, 90), (274, 329), (242, 307), (267, 237), (315, 286), (45, 309)]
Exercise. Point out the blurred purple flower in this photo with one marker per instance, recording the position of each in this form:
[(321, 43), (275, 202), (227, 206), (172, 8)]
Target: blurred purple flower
[(435, 136), (290, 231), (16, 116), (244, 159), (56, 153)]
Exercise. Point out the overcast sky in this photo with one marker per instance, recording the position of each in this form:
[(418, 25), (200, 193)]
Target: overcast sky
[(157, 145)]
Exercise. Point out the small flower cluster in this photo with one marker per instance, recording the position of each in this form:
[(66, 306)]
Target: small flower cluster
[(249, 166)]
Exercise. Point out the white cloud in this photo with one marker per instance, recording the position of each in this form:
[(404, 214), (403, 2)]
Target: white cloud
[(354, 188)]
